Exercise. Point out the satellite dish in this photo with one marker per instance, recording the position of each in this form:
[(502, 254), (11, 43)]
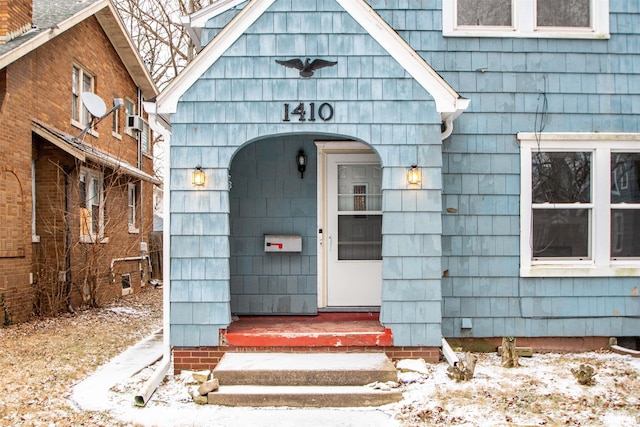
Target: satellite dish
[(94, 104)]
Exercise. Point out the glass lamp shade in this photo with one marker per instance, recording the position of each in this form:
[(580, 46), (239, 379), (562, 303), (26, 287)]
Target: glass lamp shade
[(414, 176), (198, 176)]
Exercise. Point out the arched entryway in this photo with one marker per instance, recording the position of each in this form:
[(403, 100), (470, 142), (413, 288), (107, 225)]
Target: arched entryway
[(335, 276)]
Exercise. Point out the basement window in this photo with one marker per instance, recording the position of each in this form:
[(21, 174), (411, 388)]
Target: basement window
[(126, 284)]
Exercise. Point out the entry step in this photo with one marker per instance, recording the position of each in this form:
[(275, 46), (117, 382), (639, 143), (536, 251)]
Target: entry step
[(304, 369), (303, 396)]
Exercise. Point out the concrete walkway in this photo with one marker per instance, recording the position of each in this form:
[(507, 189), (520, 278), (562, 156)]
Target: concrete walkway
[(94, 394)]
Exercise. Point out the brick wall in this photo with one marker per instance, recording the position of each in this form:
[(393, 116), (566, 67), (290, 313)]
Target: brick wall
[(38, 86), (15, 18)]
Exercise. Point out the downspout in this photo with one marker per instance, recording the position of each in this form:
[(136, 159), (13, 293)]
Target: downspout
[(139, 138), (152, 383)]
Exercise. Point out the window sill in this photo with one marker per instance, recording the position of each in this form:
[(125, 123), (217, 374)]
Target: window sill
[(93, 239), (591, 35), (547, 270), (116, 135), (133, 230), (80, 126), (35, 239)]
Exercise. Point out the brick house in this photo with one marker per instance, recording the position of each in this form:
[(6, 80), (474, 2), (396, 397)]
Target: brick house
[(522, 117), (71, 194)]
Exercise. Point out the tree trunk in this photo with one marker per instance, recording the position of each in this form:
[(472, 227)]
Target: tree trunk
[(509, 353)]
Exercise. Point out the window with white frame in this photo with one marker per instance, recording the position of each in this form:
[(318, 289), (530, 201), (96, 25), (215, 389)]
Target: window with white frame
[(526, 18), (145, 138), (580, 204), (91, 201), (115, 123), (130, 108), (132, 207), (82, 81)]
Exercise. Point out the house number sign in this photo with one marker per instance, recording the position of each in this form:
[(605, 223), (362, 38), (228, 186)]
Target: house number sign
[(324, 112)]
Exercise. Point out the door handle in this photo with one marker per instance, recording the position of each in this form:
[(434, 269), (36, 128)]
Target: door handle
[(330, 240)]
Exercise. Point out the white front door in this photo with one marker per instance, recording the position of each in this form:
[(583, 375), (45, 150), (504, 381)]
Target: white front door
[(353, 237)]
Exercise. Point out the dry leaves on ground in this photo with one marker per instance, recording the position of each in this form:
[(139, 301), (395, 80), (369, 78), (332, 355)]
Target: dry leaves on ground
[(42, 359), (541, 392)]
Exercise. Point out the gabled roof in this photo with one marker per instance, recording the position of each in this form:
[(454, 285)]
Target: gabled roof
[(52, 18), (448, 102)]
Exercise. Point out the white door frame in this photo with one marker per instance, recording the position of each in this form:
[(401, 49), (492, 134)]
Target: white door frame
[(323, 148)]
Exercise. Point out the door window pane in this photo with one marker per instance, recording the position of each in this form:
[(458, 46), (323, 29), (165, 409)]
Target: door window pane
[(561, 177), (563, 13), (359, 187), (496, 13), (561, 233), (360, 237)]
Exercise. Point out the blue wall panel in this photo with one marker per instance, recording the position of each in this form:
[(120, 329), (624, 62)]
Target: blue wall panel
[(464, 220)]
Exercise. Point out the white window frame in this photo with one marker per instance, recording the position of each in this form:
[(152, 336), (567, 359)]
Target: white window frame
[(77, 87), (34, 235), (601, 145), (126, 290), (116, 126), (132, 207), (524, 23), (145, 139), (87, 235), (130, 109)]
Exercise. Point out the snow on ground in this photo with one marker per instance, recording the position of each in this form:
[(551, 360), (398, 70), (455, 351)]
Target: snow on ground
[(542, 391)]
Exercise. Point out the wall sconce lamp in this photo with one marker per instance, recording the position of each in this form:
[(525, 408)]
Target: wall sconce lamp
[(414, 176), (198, 176), (301, 161)]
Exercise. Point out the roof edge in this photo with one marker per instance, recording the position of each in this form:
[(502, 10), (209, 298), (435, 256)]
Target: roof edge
[(167, 101), (123, 44), (46, 35), (448, 102)]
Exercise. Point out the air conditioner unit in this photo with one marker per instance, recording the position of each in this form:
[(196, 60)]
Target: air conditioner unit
[(135, 123)]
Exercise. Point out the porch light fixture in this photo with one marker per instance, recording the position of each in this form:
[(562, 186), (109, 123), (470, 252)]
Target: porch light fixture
[(301, 161), (414, 176), (198, 176)]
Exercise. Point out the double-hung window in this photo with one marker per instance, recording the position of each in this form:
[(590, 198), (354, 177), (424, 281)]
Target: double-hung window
[(130, 109), (91, 201), (81, 81), (580, 204), (526, 18), (132, 207)]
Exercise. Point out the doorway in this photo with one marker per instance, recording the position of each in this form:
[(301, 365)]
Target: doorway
[(353, 233)]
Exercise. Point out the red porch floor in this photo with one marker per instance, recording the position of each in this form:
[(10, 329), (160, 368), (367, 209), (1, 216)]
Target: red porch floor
[(322, 330)]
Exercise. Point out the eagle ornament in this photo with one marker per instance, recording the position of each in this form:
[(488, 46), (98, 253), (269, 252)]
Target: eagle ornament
[(308, 67)]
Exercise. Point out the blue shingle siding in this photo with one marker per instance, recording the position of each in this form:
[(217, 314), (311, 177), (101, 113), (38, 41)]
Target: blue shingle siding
[(269, 197), (464, 220), (238, 101), (590, 85)]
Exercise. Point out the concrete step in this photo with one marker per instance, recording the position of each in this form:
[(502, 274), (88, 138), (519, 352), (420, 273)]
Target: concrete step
[(304, 369), (303, 396)]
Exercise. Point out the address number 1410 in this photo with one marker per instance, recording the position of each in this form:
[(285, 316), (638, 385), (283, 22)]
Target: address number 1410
[(324, 112)]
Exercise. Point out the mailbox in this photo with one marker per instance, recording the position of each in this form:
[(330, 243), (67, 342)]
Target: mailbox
[(282, 243)]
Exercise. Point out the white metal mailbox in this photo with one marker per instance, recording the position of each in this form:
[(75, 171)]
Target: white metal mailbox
[(282, 243)]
